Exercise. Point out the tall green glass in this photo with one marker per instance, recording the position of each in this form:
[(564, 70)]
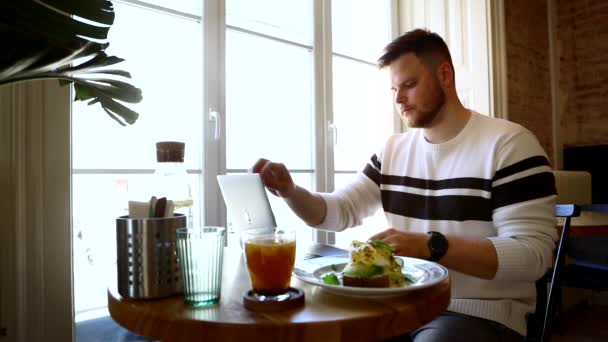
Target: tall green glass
[(201, 254)]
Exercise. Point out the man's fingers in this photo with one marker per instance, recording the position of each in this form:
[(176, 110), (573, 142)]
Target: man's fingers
[(277, 169), (275, 176), (268, 172), (268, 178), (272, 177), (384, 234), (391, 241), (259, 165), (379, 236)]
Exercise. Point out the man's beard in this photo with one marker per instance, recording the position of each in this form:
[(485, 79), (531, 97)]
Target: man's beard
[(425, 119)]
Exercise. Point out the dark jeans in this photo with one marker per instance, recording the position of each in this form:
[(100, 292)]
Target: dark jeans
[(456, 327)]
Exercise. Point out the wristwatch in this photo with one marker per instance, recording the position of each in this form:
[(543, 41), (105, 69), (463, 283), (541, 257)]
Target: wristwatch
[(438, 245)]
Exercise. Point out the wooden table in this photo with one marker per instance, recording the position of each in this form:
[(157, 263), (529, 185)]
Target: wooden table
[(325, 316), (587, 224)]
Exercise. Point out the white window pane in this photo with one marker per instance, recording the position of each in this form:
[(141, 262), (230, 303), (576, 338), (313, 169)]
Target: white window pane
[(97, 201), (268, 102), (187, 6), (291, 20), (363, 112), (360, 28), (371, 225), (163, 55)]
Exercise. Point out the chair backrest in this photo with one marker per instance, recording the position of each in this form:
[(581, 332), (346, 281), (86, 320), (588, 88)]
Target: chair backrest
[(573, 187), (538, 327)]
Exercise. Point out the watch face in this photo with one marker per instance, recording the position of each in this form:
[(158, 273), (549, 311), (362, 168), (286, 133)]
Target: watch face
[(438, 245)]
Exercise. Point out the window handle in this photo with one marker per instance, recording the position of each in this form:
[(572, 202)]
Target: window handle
[(214, 116), (334, 131)]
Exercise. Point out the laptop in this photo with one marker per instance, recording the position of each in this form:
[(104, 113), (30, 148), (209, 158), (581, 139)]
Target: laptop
[(247, 201)]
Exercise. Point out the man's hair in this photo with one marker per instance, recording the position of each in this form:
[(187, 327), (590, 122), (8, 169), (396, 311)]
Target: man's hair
[(428, 46)]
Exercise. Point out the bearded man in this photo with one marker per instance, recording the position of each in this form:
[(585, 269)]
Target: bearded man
[(471, 192)]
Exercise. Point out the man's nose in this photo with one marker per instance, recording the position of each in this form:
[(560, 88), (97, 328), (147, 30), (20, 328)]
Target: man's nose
[(400, 97)]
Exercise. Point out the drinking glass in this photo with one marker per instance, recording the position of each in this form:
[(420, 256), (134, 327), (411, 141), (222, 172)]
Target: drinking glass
[(270, 255), (201, 254)]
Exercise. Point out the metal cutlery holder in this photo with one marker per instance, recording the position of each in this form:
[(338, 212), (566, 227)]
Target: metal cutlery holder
[(147, 261)]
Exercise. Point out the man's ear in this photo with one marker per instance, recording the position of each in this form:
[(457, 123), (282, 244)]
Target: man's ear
[(445, 75)]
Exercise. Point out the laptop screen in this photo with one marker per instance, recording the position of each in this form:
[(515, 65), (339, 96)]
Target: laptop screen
[(247, 202)]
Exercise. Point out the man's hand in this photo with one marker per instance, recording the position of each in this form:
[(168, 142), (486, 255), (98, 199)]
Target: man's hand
[(476, 257), (405, 243), (275, 177), (309, 206)]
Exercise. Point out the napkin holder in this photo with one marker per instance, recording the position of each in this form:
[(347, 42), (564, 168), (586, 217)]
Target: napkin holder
[(147, 263)]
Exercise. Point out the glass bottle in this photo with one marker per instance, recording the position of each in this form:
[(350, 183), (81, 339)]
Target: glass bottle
[(171, 179)]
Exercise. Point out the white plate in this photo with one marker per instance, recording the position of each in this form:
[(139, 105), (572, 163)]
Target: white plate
[(425, 273)]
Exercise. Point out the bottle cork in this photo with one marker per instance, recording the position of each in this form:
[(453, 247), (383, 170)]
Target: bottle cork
[(170, 151)]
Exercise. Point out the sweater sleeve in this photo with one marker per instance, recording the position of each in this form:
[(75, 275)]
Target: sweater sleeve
[(348, 206), (523, 199)]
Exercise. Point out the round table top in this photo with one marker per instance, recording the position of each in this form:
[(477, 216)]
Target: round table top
[(324, 317), (587, 224)]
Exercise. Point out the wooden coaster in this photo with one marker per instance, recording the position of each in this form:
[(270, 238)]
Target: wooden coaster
[(253, 303)]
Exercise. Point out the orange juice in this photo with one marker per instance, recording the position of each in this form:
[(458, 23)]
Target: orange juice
[(270, 264)]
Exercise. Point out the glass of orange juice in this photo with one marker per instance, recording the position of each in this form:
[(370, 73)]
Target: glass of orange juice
[(270, 255)]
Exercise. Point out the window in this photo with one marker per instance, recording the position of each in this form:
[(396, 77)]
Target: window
[(270, 91), (293, 82), (362, 105), (112, 164)]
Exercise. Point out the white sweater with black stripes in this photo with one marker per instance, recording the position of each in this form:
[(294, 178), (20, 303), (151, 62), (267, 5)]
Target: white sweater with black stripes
[(493, 180)]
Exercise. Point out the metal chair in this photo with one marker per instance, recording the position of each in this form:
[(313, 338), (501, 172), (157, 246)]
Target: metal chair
[(539, 321), (579, 274)]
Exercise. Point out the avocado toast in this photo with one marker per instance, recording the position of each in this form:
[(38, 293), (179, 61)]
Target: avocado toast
[(372, 264)]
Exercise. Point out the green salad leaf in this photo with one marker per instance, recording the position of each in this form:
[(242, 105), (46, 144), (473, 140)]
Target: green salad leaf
[(362, 271), (408, 278), (331, 279), (337, 268), (380, 244)]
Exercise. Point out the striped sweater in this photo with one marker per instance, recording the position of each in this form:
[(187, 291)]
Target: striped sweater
[(492, 180)]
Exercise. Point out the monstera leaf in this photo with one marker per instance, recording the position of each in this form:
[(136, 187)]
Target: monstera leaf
[(66, 40)]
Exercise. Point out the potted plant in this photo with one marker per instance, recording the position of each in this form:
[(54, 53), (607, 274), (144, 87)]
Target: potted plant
[(66, 40)]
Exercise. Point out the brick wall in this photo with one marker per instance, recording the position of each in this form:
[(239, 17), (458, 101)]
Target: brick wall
[(582, 45), (582, 33), (528, 67)]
